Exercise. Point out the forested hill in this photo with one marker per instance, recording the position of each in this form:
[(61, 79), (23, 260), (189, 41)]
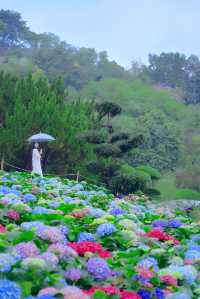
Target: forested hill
[(115, 125)]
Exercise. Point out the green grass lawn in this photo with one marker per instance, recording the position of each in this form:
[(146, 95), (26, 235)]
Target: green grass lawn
[(166, 185)]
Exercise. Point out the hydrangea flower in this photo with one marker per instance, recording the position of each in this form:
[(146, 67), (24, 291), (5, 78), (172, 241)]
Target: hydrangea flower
[(40, 210), (62, 251), (33, 263), (52, 234), (145, 294), (9, 290), (26, 249), (30, 197), (47, 291), (50, 259), (117, 211), (149, 262), (84, 236), (73, 274), (175, 223), (6, 262), (105, 229), (73, 293), (98, 268), (159, 223), (32, 225), (159, 293)]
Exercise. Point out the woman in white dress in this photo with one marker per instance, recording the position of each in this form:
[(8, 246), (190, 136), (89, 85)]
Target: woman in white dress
[(36, 160)]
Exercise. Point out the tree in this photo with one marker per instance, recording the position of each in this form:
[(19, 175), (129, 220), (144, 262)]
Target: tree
[(13, 29)]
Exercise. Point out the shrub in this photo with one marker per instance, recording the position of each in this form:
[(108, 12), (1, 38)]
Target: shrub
[(93, 136), (127, 183), (119, 136), (153, 193), (107, 150)]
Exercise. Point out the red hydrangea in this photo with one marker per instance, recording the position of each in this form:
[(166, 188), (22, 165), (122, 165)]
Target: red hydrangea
[(112, 290), (11, 214), (161, 236), (2, 229), (87, 246), (129, 295)]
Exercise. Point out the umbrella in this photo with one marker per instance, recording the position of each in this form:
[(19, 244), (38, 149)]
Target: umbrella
[(41, 137)]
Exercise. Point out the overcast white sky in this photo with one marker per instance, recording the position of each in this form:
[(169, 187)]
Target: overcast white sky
[(126, 29)]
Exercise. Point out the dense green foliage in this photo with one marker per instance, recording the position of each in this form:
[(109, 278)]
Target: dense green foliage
[(29, 105)]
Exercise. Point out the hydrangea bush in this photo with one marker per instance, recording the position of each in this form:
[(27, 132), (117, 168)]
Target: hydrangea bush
[(60, 239)]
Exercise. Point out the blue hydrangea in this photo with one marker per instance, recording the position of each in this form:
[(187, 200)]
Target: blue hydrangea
[(117, 211), (64, 229), (175, 223), (159, 293), (9, 290), (193, 246), (31, 225), (192, 254), (86, 237), (195, 238), (145, 294), (4, 190), (105, 229), (96, 212), (40, 210), (98, 268), (140, 279), (68, 199), (6, 262), (30, 197), (148, 263)]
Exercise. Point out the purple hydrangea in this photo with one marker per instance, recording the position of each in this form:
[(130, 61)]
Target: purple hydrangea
[(159, 223), (117, 211), (98, 268), (50, 258), (174, 223), (85, 237), (73, 274), (9, 290), (28, 249), (105, 229), (141, 279)]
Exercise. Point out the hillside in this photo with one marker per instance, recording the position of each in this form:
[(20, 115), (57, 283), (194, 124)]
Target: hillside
[(63, 239)]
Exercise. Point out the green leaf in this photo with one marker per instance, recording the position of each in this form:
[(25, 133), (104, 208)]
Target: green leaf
[(26, 287), (100, 295)]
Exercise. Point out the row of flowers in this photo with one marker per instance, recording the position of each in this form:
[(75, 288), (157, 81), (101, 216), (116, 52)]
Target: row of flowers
[(60, 239)]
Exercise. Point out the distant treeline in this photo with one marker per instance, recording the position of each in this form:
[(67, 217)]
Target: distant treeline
[(23, 51)]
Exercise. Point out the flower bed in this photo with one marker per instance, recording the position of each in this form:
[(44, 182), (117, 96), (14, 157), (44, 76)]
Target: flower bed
[(60, 239)]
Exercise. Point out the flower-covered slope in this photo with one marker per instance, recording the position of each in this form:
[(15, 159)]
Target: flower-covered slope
[(61, 239)]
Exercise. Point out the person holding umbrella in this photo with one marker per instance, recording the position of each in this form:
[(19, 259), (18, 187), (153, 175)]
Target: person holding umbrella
[(36, 160), (37, 153)]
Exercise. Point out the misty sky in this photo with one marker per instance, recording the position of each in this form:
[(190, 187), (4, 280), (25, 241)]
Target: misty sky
[(126, 29)]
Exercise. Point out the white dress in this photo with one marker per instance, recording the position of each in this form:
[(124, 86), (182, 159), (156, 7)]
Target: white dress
[(36, 162)]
